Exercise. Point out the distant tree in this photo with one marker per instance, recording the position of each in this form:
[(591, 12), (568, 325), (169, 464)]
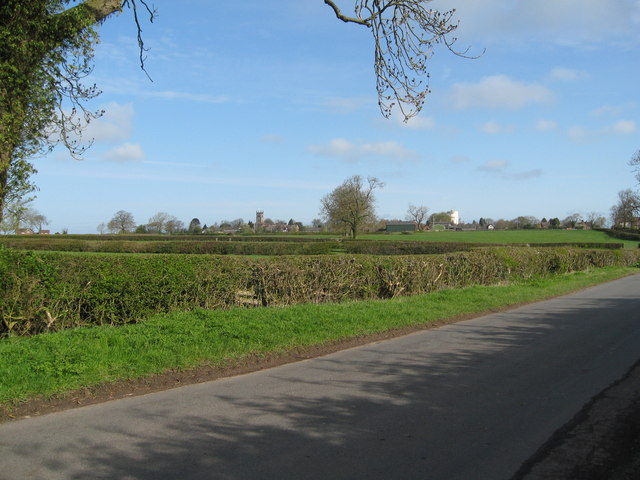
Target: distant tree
[(157, 222), (141, 229), (173, 225), (417, 215), (526, 222), (194, 226), (35, 220), (13, 214), (572, 220), (440, 217), (351, 205), (237, 224), (503, 224), (635, 162), (20, 215), (122, 222), (544, 220), (595, 219), (291, 222), (316, 223), (554, 223), (102, 228), (624, 212)]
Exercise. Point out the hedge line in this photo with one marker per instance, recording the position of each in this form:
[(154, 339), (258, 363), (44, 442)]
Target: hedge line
[(386, 247), (297, 237), (44, 291), (175, 246), (621, 234), (270, 247)]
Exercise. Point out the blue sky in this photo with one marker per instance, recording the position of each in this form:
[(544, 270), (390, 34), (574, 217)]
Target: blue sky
[(268, 106)]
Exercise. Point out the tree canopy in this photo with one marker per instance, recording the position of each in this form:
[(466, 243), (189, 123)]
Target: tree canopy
[(46, 52), (351, 205)]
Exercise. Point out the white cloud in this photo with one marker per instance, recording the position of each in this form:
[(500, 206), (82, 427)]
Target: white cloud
[(498, 91), (493, 128), (351, 152), (115, 125), (192, 97), (566, 74), (271, 138), (494, 166), (127, 152), (414, 123), (624, 127), (345, 105), (577, 134), (543, 125), (458, 159), (608, 110), (566, 22), (529, 174)]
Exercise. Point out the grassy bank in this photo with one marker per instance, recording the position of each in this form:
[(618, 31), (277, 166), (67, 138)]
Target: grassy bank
[(55, 363)]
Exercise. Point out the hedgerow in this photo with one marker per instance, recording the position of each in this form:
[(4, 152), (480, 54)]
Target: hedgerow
[(45, 291), (222, 247)]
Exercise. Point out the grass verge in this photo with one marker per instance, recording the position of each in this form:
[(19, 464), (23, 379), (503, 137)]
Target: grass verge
[(55, 363)]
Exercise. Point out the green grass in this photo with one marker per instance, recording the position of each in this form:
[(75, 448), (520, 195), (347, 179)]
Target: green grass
[(506, 236), (55, 363)]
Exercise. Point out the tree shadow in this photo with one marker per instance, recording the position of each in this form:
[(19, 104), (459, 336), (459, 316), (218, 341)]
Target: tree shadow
[(466, 401)]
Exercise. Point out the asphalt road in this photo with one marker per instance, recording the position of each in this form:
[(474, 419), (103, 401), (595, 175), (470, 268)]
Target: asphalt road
[(468, 401)]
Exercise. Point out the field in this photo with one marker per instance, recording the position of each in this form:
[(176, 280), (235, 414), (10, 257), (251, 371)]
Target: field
[(507, 236)]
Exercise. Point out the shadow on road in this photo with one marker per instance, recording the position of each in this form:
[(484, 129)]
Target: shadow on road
[(467, 401)]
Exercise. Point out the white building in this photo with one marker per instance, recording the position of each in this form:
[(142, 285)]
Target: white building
[(455, 217)]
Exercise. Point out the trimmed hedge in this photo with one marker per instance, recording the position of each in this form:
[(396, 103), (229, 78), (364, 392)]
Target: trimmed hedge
[(622, 234), (174, 246), (386, 247), (146, 237), (45, 291)]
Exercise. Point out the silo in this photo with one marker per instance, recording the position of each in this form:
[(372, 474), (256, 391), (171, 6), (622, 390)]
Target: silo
[(455, 217)]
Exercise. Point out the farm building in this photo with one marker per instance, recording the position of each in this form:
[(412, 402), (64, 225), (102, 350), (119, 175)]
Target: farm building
[(402, 227)]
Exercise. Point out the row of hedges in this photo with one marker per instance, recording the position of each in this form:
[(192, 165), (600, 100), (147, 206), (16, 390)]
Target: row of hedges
[(172, 238), (367, 247), (385, 247), (44, 291), (622, 234), (175, 246)]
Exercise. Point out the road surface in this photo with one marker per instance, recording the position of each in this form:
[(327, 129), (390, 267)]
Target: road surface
[(469, 401)]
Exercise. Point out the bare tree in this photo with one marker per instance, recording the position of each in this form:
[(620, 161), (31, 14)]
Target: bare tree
[(624, 212), (405, 33), (122, 222), (417, 214), (173, 225), (595, 219), (635, 162), (157, 222), (351, 205)]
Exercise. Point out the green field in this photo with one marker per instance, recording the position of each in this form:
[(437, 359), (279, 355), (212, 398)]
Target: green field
[(505, 236)]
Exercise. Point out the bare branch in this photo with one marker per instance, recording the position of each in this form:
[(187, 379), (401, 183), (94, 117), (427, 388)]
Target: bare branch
[(405, 34)]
